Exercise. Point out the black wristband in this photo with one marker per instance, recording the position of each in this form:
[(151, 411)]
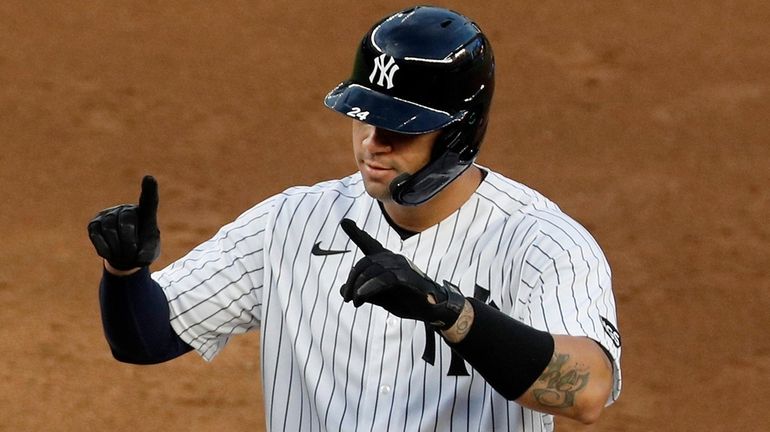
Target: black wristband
[(510, 355)]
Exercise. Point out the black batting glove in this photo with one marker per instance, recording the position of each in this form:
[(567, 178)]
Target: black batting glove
[(127, 236), (393, 282)]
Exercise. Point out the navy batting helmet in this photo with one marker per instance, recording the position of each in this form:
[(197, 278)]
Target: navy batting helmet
[(417, 71)]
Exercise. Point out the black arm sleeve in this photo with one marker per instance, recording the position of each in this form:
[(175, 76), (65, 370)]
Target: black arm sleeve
[(135, 317), (510, 355)]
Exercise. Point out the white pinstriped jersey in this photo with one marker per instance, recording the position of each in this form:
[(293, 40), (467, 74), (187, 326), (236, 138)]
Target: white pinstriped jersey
[(327, 366)]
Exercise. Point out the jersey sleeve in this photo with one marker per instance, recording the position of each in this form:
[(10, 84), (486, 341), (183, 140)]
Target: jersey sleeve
[(215, 291), (569, 291)]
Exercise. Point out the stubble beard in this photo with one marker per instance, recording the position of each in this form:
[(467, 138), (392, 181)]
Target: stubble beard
[(378, 191)]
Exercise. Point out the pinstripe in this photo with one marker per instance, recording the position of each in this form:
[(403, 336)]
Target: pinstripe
[(574, 298), (312, 311), (350, 347), (204, 263), (561, 227), (588, 294), (423, 394), (366, 344), (519, 265), (454, 268), (440, 366), (509, 196), (336, 336), (266, 326), (425, 365), (334, 364), (409, 388), (558, 283), (497, 251), (451, 240), (280, 330), (364, 364), (462, 244), (589, 267), (473, 251), (323, 361), (208, 350), (225, 307), (486, 387), (293, 342), (347, 373), (446, 253), (548, 210), (468, 405), (575, 244), (440, 359), (223, 235), (400, 348), (488, 391), (326, 315), (382, 356), (541, 283), (531, 415), (224, 324), (508, 261), (395, 380), (176, 316)]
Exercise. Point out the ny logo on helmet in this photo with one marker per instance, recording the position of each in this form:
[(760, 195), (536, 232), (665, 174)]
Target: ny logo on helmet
[(387, 67)]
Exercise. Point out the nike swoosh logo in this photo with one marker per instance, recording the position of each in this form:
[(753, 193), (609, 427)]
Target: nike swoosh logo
[(317, 251)]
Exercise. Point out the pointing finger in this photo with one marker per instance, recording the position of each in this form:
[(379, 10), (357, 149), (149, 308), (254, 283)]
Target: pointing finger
[(364, 241), (148, 200)]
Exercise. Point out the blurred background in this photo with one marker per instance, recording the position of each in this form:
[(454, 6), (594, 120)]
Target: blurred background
[(646, 121)]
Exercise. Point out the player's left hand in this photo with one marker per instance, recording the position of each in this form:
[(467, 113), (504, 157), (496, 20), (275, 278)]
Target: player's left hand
[(393, 282), (127, 235)]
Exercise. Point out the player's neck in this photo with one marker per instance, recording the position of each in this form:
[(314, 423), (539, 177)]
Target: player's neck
[(421, 217)]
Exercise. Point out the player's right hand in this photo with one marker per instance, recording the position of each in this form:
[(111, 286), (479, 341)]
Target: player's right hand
[(127, 236), (390, 280)]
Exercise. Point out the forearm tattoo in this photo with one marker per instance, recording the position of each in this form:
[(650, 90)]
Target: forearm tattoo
[(560, 382), (462, 326)]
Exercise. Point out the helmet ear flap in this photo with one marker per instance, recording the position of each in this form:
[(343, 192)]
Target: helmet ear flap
[(454, 151), (462, 137)]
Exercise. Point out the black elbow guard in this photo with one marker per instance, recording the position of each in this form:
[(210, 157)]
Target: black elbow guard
[(135, 317)]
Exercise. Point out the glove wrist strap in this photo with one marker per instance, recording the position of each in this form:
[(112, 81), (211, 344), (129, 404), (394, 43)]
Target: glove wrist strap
[(450, 308)]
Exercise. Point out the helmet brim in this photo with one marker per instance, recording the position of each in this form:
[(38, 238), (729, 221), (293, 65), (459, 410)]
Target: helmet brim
[(384, 111)]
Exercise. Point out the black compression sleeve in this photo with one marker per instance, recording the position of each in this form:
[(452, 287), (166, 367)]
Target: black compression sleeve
[(135, 317), (509, 355)]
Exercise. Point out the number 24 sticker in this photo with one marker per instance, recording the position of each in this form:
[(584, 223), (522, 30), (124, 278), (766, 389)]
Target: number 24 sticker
[(357, 113)]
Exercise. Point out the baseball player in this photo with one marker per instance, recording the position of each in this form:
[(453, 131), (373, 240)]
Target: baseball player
[(424, 292)]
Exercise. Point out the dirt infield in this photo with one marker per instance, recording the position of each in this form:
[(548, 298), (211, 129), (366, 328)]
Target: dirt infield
[(647, 121)]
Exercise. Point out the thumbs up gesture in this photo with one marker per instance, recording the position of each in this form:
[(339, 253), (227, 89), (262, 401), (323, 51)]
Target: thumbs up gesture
[(127, 236)]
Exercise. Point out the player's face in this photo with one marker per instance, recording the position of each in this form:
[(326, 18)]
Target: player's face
[(382, 155)]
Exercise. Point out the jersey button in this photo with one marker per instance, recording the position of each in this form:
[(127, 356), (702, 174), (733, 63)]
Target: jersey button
[(392, 322), (385, 389)]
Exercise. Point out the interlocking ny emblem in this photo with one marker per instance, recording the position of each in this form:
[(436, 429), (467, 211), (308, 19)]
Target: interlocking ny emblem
[(387, 67)]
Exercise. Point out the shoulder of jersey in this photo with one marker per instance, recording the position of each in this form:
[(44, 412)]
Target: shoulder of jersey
[(514, 197), (536, 208), (524, 204), (349, 186)]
